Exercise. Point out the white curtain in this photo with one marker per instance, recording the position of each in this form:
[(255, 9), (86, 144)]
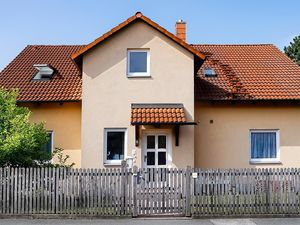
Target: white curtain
[(263, 145)]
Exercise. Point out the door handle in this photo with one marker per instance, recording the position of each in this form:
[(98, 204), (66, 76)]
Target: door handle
[(145, 158)]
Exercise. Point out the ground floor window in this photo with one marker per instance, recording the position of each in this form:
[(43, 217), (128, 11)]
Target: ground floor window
[(48, 147), (264, 146), (114, 145)]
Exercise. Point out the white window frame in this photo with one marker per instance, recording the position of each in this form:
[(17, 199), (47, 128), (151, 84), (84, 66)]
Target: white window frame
[(114, 162), (168, 151), (138, 74), (266, 160)]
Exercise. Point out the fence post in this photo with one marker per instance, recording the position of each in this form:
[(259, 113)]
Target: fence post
[(188, 192), (268, 189), (134, 189), (123, 190)]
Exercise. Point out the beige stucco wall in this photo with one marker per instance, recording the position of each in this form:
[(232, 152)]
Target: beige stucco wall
[(225, 142), (108, 92), (65, 121)]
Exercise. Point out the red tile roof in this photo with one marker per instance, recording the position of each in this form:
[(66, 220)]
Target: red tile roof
[(244, 72), (255, 72), (65, 84), (157, 113), (258, 72)]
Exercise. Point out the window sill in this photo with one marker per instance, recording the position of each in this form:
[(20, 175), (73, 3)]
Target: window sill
[(263, 161), (138, 76), (112, 164)]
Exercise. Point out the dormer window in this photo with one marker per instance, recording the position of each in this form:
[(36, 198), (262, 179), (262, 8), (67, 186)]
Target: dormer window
[(138, 63), (45, 72), (209, 72)]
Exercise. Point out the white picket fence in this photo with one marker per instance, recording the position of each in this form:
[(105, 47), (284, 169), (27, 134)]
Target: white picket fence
[(246, 192), (142, 192), (104, 192)]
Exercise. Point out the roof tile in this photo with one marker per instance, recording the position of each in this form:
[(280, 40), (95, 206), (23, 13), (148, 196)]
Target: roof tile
[(257, 72), (65, 84)]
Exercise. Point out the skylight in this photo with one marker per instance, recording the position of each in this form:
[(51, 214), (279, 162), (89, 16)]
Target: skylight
[(45, 72), (209, 72)]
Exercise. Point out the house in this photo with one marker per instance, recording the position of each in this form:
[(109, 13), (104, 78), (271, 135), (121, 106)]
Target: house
[(143, 94)]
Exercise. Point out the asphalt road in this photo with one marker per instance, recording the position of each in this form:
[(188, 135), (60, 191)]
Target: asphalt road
[(164, 221)]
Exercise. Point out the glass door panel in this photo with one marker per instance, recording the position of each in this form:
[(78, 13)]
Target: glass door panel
[(155, 154)]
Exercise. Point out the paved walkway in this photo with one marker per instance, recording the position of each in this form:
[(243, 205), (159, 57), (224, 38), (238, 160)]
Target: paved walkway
[(165, 221)]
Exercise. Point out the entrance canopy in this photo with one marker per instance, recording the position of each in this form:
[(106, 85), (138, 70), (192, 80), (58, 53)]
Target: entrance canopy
[(157, 115)]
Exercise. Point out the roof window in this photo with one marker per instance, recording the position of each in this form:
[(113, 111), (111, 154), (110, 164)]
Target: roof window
[(209, 72), (45, 72)]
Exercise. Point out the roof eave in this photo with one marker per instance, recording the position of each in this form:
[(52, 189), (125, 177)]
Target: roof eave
[(76, 56), (41, 101), (162, 123)]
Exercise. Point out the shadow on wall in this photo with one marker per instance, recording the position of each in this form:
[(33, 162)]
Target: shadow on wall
[(113, 51)]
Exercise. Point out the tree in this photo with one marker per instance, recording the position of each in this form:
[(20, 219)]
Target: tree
[(293, 50), (21, 142)]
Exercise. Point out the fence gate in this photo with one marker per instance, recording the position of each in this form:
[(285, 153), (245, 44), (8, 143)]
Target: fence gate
[(160, 191)]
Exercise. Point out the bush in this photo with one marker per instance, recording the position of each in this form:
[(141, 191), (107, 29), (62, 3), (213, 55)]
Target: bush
[(21, 142)]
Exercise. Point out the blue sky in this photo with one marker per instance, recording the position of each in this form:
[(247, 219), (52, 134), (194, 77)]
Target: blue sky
[(81, 21)]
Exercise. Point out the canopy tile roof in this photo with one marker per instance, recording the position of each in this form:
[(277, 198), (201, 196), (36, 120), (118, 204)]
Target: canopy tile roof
[(157, 113)]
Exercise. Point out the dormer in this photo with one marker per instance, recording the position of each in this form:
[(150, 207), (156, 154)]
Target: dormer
[(45, 72)]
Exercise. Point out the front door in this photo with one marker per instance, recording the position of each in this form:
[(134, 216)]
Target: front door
[(157, 150)]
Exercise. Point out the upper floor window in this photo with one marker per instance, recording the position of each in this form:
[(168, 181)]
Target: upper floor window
[(138, 63), (264, 146)]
